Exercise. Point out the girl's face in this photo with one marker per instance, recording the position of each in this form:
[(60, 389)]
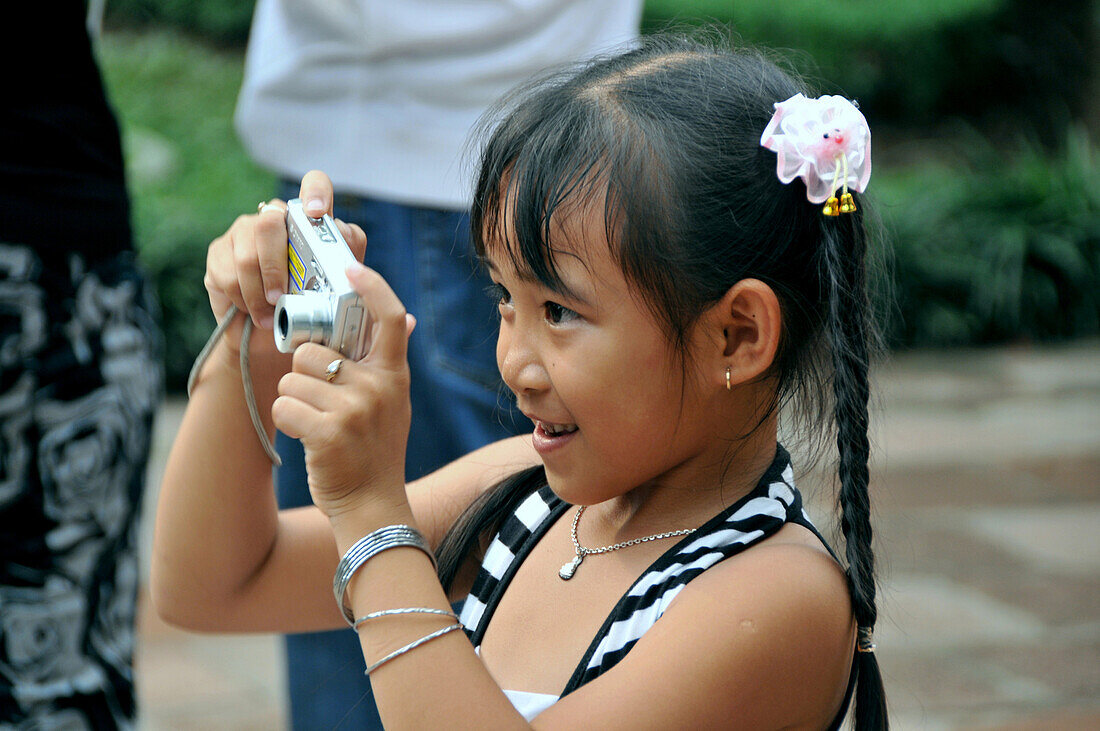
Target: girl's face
[(612, 405)]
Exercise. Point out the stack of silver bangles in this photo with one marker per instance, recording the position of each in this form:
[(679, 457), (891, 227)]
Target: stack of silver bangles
[(392, 536)]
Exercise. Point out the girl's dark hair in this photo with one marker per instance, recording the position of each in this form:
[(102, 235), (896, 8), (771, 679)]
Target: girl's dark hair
[(666, 137)]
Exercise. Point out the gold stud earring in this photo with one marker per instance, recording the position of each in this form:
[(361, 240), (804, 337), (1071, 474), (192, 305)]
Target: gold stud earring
[(729, 386)]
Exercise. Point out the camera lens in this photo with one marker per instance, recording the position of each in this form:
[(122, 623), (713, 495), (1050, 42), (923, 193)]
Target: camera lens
[(302, 318), (284, 323)]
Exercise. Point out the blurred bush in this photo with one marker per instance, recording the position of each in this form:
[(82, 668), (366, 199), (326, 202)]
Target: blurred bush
[(914, 63), (188, 175), (219, 21), (996, 246)]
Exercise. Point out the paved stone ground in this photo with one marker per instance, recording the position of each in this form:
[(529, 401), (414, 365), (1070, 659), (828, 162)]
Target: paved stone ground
[(987, 490)]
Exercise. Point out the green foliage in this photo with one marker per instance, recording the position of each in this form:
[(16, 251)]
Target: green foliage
[(997, 247), (188, 175), (839, 25), (221, 21), (911, 63)]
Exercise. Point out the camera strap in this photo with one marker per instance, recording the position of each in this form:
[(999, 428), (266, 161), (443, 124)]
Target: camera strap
[(246, 376)]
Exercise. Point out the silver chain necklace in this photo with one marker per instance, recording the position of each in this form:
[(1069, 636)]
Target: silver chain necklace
[(570, 567)]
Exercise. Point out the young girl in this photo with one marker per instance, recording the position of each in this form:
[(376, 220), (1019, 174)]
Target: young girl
[(665, 285)]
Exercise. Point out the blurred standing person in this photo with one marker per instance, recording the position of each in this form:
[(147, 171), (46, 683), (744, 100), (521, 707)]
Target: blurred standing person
[(382, 96), (80, 380)]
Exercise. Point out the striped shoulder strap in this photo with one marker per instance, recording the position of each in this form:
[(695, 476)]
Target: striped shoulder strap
[(757, 515), (754, 517), (518, 535)]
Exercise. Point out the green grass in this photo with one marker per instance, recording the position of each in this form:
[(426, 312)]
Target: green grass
[(189, 175), (172, 91)]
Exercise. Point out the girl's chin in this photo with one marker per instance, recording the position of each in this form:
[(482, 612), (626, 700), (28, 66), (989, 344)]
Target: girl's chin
[(576, 490)]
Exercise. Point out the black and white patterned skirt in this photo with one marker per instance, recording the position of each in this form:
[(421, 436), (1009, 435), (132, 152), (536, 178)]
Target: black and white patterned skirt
[(80, 380)]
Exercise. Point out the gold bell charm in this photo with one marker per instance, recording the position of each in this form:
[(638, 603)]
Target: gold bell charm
[(831, 208), (847, 205)]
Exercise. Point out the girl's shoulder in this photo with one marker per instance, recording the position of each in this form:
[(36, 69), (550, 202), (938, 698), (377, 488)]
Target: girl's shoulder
[(787, 573), (780, 616), (773, 622)]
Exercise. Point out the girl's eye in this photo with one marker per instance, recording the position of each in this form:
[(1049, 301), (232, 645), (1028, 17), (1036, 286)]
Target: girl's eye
[(498, 294), (556, 314)]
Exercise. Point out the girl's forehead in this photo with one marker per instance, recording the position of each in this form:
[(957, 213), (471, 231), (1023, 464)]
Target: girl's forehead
[(573, 267), (577, 231), (578, 262)]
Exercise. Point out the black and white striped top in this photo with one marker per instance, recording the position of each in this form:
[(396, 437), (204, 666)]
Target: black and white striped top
[(759, 514)]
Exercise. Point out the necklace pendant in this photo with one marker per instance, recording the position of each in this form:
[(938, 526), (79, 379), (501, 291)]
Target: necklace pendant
[(570, 568)]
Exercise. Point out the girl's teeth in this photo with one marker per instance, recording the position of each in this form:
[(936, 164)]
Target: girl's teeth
[(555, 429)]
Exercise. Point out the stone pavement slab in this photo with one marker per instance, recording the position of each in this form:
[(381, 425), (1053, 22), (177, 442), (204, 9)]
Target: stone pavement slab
[(1058, 538)]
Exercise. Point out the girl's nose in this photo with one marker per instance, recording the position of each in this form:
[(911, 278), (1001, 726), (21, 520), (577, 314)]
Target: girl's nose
[(519, 364)]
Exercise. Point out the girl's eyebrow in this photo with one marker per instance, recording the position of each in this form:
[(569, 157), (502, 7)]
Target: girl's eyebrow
[(558, 288)]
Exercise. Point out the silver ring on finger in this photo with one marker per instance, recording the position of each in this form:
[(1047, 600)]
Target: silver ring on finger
[(333, 369), (272, 207)]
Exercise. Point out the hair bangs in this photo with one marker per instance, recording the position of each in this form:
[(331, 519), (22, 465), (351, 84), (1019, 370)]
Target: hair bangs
[(557, 158)]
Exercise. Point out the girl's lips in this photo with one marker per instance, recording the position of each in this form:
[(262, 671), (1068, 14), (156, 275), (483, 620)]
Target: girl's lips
[(546, 443)]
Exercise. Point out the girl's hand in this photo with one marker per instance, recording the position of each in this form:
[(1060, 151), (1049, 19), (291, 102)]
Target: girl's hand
[(247, 265), (354, 427)]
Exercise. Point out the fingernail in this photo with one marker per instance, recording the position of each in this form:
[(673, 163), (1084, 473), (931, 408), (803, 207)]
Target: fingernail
[(273, 296), (267, 322), (315, 206)]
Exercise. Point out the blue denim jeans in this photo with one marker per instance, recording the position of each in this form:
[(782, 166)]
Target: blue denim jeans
[(458, 404)]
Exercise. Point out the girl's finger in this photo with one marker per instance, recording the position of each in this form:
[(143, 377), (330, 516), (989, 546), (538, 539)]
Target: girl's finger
[(389, 339), (271, 249), (296, 418), (311, 390), (312, 359), (221, 272), (345, 230), (312, 380), (357, 240), (247, 264), (316, 193)]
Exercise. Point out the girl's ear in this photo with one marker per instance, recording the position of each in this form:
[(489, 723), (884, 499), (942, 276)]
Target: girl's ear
[(751, 322)]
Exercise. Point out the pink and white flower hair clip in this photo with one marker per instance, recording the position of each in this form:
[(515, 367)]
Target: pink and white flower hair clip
[(824, 141)]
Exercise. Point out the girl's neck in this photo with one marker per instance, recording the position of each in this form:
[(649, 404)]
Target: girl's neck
[(689, 497)]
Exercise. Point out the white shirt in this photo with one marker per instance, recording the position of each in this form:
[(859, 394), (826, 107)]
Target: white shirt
[(530, 705), (381, 95)]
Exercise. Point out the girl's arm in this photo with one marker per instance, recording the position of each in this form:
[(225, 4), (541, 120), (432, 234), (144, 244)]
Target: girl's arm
[(224, 558)]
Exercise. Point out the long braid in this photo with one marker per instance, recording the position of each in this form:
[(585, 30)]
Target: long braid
[(843, 254), (483, 518)]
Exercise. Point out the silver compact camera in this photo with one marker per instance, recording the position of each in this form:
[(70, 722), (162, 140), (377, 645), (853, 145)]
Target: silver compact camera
[(320, 305)]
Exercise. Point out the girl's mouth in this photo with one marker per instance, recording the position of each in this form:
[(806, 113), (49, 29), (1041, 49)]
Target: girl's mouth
[(548, 437)]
